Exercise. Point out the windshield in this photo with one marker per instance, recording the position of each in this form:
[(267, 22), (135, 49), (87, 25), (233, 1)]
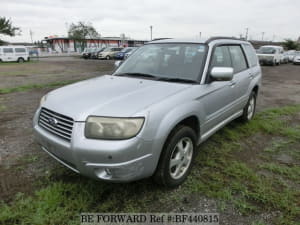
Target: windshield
[(266, 50), (107, 50), (174, 61)]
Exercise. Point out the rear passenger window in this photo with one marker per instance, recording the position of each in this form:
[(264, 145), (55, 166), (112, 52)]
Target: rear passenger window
[(238, 59), (20, 50), (221, 57), (250, 52), (7, 50)]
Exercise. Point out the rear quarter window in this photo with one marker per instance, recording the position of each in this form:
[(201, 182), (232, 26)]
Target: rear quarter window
[(251, 55), (8, 50)]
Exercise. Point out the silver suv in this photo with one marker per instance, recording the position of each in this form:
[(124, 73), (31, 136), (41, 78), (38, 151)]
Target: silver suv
[(148, 118)]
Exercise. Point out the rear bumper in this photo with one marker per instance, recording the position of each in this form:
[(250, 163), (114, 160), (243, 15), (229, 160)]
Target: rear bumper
[(119, 161), (266, 61)]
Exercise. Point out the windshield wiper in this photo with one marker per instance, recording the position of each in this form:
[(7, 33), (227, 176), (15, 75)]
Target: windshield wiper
[(136, 75), (182, 80)]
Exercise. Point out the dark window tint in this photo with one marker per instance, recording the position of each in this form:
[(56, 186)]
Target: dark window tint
[(7, 50), (250, 52), (221, 57), (238, 59), (19, 50)]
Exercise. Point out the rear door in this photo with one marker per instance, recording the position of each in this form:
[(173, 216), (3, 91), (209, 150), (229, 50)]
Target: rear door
[(242, 76), (8, 54)]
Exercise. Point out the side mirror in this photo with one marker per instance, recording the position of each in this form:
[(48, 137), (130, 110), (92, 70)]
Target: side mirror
[(221, 73), (118, 63)]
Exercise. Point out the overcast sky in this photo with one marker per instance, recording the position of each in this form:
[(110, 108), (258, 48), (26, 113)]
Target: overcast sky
[(278, 19)]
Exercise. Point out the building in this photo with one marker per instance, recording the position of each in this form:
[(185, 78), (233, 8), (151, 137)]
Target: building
[(65, 44)]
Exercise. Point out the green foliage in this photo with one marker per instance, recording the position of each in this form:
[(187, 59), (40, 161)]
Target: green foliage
[(289, 44), (6, 28), (79, 32)]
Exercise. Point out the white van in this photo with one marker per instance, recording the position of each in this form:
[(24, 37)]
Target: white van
[(14, 54), (270, 54)]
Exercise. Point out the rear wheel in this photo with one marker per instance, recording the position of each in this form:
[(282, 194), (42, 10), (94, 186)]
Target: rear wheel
[(20, 60), (108, 57), (177, 156), (249, 110)]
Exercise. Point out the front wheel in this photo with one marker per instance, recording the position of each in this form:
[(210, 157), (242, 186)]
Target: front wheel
[(177, 156), (249, 110), (108, 57)]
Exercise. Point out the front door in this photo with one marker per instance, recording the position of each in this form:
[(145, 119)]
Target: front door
[(218, 95)]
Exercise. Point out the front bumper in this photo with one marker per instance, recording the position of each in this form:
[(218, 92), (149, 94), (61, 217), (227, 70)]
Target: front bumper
[(119, 161), (296, 62)]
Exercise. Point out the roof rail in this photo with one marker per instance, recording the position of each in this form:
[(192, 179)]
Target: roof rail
[(220, 37), (158, 39)]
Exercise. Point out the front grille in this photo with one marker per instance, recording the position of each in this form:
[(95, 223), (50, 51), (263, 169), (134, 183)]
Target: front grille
[(56, 123)]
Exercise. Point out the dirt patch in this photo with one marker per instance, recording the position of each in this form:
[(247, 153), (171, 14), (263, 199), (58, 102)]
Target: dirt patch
[(49, 70)]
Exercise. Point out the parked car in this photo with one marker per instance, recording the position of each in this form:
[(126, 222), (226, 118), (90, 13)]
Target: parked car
[(291, 54), (129, 53), (121, 55), (148, 118), (14, 54), (296, 59), (285, 58), (109, 53), (95, 54), (271, 55), (87, 53)]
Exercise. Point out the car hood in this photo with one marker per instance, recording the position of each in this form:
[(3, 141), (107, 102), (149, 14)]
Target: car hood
[(109, 96)]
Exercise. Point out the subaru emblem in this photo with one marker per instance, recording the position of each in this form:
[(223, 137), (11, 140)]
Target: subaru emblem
[(52, 121)]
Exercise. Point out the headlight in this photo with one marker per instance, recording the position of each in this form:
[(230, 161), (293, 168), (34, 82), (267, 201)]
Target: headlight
[(112, 128), (43, 99)]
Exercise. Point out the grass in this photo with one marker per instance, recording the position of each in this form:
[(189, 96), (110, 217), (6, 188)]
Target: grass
[(33, 86), (2, 108), (218, 173)]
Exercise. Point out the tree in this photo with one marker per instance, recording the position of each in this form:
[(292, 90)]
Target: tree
[(81, 31), (6, 28), (289, 44)]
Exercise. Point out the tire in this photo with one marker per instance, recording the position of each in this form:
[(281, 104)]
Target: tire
[(249, 110), (108, 57), (180, 149), (20, 60)]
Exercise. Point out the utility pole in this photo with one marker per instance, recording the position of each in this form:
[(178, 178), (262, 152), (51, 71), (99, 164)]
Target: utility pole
[(151, 32), (262, 36), (246, 36), (31, 33), (200, 34)]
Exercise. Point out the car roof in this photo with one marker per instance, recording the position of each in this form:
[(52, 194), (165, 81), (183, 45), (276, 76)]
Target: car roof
[(196, 40), (272, 46)]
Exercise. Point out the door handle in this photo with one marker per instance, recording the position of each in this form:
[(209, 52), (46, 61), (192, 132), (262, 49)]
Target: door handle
[(232, 83), (251, 76)]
